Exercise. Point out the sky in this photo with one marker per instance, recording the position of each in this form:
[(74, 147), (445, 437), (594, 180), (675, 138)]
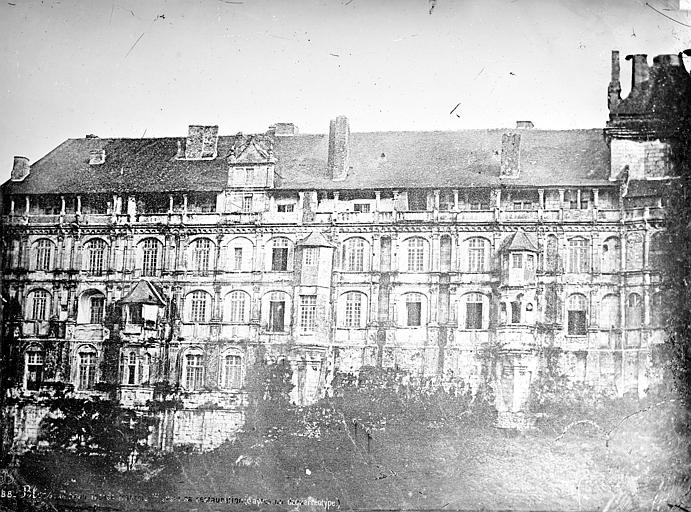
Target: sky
[(148, 69)]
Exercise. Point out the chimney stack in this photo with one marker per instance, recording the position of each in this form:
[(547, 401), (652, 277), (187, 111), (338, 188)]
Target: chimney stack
[(283, 129), (97, 156), (614, 89), (524, 125), (639, 70), (20, 168), (339, 148), (510, 155), (202, 142)]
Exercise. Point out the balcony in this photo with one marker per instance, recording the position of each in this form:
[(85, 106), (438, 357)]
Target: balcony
[(280, 217), (355, 217), (518, 216), (414, 216)]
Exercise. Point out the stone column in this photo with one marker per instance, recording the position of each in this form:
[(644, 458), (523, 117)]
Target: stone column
[(434, 253), (455, 200), (541, 198)]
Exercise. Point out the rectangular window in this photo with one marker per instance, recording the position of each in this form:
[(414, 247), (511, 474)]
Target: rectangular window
[(516, 260), (232, 372), (285, 208), (353, 311), (87, 370), (414, 310), (361, 207), (310, 255), (308, 312), (515, 312), (135, 314), (237, 258), (194, 372), (34, 370), (576, 324), (276, 316), (584, 204), (96, 310), (473, 315), (247, 204), (279, 259)]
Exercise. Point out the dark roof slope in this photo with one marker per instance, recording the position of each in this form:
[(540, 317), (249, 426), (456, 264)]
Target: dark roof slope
[(465, 158), (445, 159)]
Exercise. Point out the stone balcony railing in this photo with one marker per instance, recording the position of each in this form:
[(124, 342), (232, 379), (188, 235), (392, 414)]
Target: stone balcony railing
[(375, 217)]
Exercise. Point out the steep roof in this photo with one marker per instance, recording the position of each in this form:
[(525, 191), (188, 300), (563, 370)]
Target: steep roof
[(467, 158), (519, 241), (315, 239), (144, 292)]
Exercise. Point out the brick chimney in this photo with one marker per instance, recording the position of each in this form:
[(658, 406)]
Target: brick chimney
[(614, 89), (524, 125), (20, 168), (97, 156), (510, 155), (201, 142), (640, 72), (339, 148)]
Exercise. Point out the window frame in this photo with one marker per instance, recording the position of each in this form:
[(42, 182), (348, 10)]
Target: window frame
[(577, 315), (308, 313), (415, 254)]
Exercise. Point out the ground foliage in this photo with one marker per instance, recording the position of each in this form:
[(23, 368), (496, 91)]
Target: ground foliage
[(102, 430)]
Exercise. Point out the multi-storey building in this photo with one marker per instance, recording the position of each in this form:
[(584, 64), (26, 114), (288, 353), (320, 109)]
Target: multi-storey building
[(182, 260)]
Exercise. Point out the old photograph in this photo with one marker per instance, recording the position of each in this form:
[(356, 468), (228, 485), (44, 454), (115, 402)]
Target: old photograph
[(345, 255)]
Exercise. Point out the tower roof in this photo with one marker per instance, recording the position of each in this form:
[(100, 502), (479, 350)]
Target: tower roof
[(519, 241), (144, 292), (315, 239)]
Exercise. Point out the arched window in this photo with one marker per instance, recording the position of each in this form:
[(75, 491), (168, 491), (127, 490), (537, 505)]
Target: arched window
[(578, 255), (231, 371), (35, 358), (656, 310), (354, 255), (201, 256), (39, 308), (354, 310), (413, 309), (276, 309), (576, 307), (237, 308), (199, 307), (145, 376), (634, 251), (44, 254), (86, 368), (445, 253), (634, 311), (194, 370), (477, 248), (279, 254), (239, 255), (95, 256), (91, 307), (611, 251), (416, 255), (150, 262), (474, 314), (610, 314)]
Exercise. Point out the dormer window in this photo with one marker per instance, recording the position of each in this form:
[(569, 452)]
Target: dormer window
[(97, 156), (516, 261)]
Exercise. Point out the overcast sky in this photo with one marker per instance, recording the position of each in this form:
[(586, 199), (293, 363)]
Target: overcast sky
[(132, 69)]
